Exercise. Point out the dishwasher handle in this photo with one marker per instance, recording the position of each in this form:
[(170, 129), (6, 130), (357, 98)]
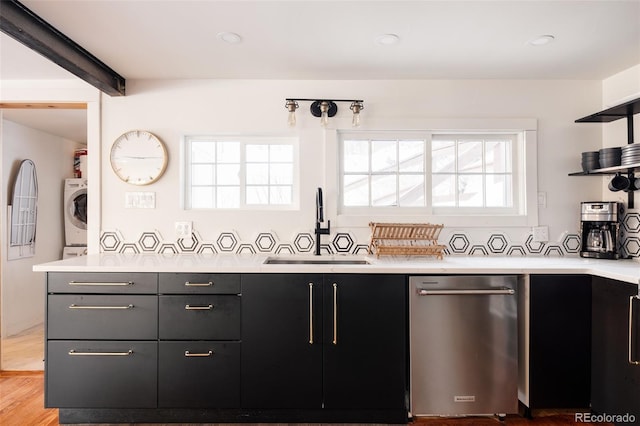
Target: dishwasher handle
[(466, 292)]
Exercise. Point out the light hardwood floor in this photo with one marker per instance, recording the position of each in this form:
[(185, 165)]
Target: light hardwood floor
[(24, 351)]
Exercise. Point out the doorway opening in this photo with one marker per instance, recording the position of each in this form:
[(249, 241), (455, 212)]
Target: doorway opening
[(48, 134)]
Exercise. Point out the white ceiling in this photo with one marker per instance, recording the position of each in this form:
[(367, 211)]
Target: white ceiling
[(321, 39)]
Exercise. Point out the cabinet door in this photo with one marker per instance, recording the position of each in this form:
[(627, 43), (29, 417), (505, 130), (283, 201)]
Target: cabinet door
[(615, 383), (101, 374), (281, 341), (102, 282), (365, 345), (195, 374), (199, 317), (105, 317), (190, 283), (560, 341)]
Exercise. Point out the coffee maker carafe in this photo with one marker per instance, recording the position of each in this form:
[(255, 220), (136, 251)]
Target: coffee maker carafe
[(599, 229)]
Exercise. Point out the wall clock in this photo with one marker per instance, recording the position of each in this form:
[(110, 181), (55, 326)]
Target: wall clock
[(138, 157)]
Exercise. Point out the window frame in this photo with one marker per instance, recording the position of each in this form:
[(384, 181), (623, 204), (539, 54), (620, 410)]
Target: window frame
[(526, 175), (186, 177), (516, 164)]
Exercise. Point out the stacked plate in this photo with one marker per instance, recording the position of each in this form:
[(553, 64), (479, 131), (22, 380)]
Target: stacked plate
[(630, 154), (610, 157), (590, 161)]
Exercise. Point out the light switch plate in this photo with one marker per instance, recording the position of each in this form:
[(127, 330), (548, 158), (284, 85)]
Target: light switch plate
[(542, 200), (139, 200)]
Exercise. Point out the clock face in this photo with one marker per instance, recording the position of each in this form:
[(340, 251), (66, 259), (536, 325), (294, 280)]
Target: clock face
[(138, 157)]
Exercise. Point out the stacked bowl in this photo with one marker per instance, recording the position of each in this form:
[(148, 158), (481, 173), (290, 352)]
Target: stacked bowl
[(590, 161), (610, 157), (630, 154)]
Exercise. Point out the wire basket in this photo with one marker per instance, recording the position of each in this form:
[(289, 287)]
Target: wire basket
[(405, 239)]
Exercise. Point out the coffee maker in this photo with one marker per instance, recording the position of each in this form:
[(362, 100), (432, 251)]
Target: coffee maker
[(599, 229)]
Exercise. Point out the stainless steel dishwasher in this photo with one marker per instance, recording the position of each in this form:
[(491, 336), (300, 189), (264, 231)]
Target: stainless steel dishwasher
[(463, 337)]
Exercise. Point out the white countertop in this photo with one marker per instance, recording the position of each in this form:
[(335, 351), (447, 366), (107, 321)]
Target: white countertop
[(623, 270)]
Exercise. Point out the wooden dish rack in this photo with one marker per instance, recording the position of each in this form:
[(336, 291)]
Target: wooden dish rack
[(405, 239)]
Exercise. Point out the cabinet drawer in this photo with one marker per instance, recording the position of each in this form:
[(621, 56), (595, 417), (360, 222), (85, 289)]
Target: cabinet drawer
[(102, 282), (199, 374), (199, 283), (101, 374), (199, 317), (114, 317)]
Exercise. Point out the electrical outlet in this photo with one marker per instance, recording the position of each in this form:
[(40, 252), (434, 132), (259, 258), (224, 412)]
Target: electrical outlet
[(184, 229), (540, 234)]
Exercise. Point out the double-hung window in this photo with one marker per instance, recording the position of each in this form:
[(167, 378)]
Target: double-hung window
[(240, 172), (432, 173)]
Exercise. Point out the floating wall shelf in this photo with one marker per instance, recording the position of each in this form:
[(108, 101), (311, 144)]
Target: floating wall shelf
[(626, 110)]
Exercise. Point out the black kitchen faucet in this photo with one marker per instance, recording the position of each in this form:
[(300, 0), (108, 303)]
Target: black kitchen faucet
[(319, 219)]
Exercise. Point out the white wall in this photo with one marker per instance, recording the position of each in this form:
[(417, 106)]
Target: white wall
[(23, 290), (171, 109)]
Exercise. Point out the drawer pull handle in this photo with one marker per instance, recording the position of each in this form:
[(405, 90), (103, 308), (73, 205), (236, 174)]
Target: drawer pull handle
[(74, 306), (188, 284), (189, 354), (311, 313), (631, 360), (198, 308), (74, 353), (335, 314), (121, 284)]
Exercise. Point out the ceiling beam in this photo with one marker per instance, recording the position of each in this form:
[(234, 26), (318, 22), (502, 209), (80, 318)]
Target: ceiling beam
[(28, 28)]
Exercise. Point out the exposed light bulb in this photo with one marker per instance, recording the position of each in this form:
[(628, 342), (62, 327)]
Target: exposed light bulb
[(291, 106), (324, 113), (356, 107), (355, 121)]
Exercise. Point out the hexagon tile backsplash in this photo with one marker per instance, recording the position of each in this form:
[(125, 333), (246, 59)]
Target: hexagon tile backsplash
[(458, 242)]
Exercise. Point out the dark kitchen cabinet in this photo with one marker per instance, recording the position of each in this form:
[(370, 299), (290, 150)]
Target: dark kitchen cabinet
[(101, 347), (200, 340), (199, 374), (365, 323), (615, 352), (104, 374), (282, 341), (335, 342), (560, 341)]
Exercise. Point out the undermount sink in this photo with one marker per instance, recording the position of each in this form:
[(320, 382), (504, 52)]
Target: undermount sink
[(315, 261)]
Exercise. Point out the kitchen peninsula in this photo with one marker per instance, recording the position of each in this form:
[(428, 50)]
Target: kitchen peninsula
[(196, 338)]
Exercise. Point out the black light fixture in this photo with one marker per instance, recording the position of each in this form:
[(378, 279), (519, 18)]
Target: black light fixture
[(324, 108)]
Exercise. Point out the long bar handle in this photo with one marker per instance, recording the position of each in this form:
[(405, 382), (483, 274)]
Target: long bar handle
[(311, 313), (190, 284), (74, 306), (205, 354), (631, 360), (447, 292), (198, 308), (335, 314), (108, 284), (74, 353)]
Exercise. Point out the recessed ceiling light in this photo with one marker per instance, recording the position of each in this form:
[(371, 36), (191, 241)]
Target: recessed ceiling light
[(231, 38), (387, 39), (542, 40)]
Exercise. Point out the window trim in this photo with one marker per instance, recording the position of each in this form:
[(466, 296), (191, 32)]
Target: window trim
[(185, 177), (360, 217)]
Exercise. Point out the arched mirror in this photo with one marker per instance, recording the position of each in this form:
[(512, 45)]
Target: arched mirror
[(23, 214)]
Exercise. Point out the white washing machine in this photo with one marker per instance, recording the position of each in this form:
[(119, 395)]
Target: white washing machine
[(75, 211), (74, 251)]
